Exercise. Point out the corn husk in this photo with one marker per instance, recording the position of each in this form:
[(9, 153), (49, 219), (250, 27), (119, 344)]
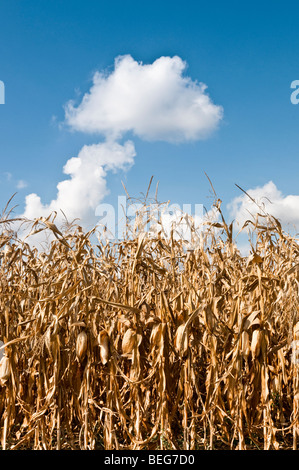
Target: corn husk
[(156, 333), (4, 369), (81, 345), (245, 344), (179, 345), (129, 341), (256, 343), (296, 331), (103, 340)]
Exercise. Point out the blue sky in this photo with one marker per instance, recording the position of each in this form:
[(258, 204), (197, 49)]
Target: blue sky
[(245, 52)]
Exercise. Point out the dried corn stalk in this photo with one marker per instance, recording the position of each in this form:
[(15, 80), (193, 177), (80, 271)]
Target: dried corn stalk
[(149, 342)]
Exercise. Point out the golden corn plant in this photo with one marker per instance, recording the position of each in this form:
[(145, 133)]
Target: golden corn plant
[(147, 343)]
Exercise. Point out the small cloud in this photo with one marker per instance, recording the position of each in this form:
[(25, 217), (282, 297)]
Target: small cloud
[(7, 175), (268, 199), (21, 184), (53, 120)]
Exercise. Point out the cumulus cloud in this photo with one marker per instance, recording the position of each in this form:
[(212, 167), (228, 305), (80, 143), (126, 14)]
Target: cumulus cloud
[(283, 207), (154, 101), (85, 188)]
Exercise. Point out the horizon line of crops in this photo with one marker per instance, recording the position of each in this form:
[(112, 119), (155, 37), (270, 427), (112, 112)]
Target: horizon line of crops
[(142, 344)]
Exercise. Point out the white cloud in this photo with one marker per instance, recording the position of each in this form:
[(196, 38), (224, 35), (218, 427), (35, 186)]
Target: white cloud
[(7, 175), (155, 101), (79, 195), (272, 201), (21, 184)]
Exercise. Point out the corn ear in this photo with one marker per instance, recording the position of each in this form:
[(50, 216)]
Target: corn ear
[(81, 345), (103, 340), (256, 343), (129, 341), (4, 369)]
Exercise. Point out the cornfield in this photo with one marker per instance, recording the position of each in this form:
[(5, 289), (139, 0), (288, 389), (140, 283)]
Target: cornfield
[(145, 344)]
